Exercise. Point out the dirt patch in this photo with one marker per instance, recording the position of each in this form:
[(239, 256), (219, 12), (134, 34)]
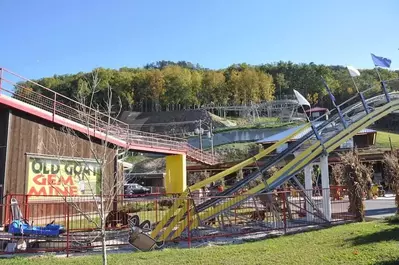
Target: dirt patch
[(157, 165)]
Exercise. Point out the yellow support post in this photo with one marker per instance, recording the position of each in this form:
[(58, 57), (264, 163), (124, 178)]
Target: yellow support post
[(171, 213), (175, 179)]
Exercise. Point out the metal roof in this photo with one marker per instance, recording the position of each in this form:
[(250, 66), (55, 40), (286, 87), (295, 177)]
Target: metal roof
[(316, 109), (281, 135)]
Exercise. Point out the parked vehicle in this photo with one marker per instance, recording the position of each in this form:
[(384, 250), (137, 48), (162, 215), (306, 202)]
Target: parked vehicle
[(135, 189)]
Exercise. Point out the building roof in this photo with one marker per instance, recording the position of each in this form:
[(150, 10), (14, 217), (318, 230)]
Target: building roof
[(316, 109), (281, 135)]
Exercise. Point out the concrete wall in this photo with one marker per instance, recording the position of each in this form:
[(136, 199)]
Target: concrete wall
[(235, 136)]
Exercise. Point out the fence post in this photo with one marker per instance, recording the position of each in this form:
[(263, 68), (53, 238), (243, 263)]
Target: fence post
[(67, 224), (284, 212), (54, 105), (156, 210), (27, 214), (25, 206), (7, 209), (235, 215), (188, 223), (65, 213)]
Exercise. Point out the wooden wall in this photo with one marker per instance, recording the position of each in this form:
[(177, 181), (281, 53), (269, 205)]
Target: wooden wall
[(3, 145), (29, 134)]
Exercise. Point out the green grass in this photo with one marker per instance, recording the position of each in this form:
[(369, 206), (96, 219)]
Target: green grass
[(236, 146), (383, 139), (359, 243)]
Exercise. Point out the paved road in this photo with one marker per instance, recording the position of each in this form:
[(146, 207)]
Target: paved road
[(380, 207)]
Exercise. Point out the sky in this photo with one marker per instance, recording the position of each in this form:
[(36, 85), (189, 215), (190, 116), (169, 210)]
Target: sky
[(46, 37)]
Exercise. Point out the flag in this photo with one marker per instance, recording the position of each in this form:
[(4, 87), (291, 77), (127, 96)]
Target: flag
[(381, 61), (328, 90), (353, 71), (301, 99)]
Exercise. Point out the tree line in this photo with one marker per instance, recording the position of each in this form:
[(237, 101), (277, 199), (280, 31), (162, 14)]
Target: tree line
[(167, 85)]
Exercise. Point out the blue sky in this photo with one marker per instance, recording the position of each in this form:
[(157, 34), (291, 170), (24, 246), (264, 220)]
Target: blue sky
[(45, 37)]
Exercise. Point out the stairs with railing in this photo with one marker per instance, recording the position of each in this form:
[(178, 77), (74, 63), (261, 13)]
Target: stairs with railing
[(29, 96)]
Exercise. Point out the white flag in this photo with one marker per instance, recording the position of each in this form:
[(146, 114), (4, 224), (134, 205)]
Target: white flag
[(301, 99), (353, 71)]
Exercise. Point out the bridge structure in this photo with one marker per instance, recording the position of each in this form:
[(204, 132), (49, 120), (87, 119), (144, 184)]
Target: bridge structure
[(23, 94)]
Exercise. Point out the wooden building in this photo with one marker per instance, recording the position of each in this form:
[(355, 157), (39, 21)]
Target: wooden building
[(316, 113), (24, 137)]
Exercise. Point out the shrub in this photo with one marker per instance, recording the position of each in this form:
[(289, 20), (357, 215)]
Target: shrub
[(393, 219), (165, 203)]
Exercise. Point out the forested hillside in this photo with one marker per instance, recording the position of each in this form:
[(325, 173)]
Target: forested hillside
[(167, 85)]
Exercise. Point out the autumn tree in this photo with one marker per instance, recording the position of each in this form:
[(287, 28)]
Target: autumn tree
[(156, 83), (177, 86), (213, 88), (167, 85)]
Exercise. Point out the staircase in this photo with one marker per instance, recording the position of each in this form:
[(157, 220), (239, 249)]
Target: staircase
[(31, 97)]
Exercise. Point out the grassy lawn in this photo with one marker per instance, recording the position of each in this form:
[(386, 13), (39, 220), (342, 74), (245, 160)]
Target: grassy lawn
[(383, 139), (236, 146), (359, 243)]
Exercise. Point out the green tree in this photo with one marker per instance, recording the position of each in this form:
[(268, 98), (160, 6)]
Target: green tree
[(280, 83), (266, 86), (157, 88), (178, 91)]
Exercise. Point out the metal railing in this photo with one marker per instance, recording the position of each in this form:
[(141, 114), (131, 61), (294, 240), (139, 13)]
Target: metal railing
[(95, 122), (279, 211)]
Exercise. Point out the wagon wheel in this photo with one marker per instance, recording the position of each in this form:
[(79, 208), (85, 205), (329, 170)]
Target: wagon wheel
[(22, 244), (146, 225), (134, 221)]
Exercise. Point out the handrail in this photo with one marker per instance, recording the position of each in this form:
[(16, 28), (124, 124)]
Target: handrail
[(60, 105)]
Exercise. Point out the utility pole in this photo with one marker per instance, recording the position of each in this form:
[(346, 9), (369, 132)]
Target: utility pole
[(200, 134), (211, 136)]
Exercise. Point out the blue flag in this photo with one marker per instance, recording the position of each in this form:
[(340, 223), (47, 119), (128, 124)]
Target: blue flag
[(381, 61)]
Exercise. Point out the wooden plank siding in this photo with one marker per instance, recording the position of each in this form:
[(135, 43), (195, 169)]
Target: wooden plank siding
[(3, 145), (32, 135)]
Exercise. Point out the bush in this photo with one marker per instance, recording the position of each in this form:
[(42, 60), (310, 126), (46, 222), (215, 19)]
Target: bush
[(137, 207), (393, 219), (165, 203), (131, 208), (149, 206)]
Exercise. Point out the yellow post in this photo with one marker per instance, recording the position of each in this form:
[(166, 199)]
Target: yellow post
[(175, 179)]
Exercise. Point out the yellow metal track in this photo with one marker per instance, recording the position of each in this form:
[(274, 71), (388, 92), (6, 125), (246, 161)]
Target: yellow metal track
[(303, 159), (177, 213)]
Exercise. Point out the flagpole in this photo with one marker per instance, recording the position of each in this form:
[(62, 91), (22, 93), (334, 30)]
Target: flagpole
[(307, 118), (353, 72), (378, 73), (302, 101), (353, 80)]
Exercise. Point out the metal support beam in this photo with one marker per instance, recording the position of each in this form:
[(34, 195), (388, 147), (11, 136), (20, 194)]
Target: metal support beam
[(308, 191), (309, 200), (325, 184), (385, 90), (365, 106)]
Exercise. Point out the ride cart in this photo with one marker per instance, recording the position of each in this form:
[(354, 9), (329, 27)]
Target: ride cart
[(24, 234)]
